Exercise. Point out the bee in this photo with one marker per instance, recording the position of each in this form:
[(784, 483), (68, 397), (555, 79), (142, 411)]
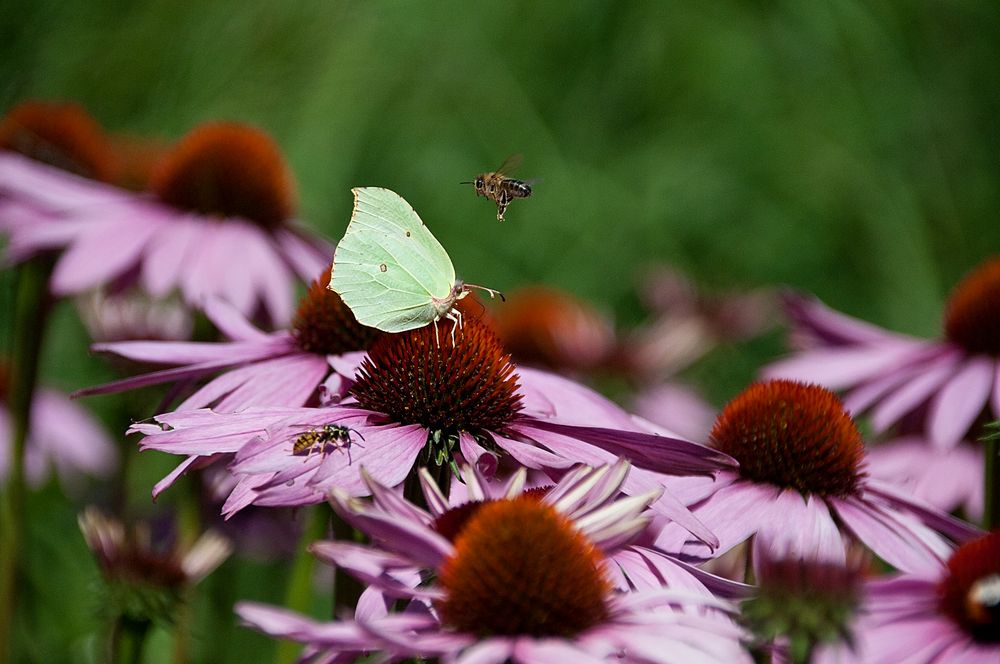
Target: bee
[(501, 189), (325, 440)]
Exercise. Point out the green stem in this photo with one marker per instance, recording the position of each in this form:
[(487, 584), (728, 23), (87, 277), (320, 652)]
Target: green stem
[(991, 493), (128, 637), (298, 595), (31, 308), (188, 530)]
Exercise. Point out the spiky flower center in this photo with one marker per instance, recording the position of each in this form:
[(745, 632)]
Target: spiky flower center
[(60, 135), (227, 169), (970, 592), (522, 568), (421, 377), (794, 436), (325, 325), (972, 319)]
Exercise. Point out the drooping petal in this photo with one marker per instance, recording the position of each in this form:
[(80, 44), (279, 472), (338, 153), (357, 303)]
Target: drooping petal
[(960, 402)]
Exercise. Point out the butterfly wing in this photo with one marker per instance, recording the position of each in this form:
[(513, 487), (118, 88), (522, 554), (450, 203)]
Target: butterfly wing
[(389, 266)]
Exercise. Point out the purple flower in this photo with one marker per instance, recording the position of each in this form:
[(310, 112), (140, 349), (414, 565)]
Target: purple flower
[(523, 577), (948, 383), (419, 403), (216, 224), (943, 616), (948, 480), (310, 364), (62, 437), (801, 486)]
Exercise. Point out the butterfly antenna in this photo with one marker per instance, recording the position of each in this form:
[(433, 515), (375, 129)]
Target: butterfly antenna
[(467, 182), (493, 292)]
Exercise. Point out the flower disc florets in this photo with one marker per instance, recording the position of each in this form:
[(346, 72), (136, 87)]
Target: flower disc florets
[(522, 568), (792, 435), (60, 135), (422, 377), (227, 169), (972, 319), (970, 593), (323, 324)]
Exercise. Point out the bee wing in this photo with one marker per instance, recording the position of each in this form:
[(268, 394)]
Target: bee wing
[(510, 164)]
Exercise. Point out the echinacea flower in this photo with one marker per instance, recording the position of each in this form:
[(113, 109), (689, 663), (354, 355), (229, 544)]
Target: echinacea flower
[(521, 577), (218, 222), (950, 383), (801, 484), (62, 135), (312, 363), (946, 616), (804, 606), (419, 403), (62, 436), (146, 580), (688, 323), (949, 479), (553, 330)]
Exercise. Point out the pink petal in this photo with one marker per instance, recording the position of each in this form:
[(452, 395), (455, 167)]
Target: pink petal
[(530, 455), (101, 255), (285, 381), (269, 274), (387, 454), (735, 512), (914, 392), (960, 402), (830, 326), (308, 257), (898, 539), (228, 320), (168, 257), (839, 368)]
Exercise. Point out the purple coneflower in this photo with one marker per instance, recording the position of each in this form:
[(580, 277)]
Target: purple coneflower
[(217, 223), (522, 577), (801, 484), (312, 363), (62, 436), (416, 402), (550, 329), (950, 383), (946, 479), (947, 616)]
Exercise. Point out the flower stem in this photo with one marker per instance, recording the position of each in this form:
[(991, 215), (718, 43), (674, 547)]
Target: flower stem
[(298, 595), (31, 308), (128, 636)]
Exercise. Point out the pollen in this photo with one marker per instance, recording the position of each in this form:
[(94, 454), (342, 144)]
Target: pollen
[(323, 324), (792, 435), (419, 377), (972, 318), (60, 135), (521, 568), (227, 169), (970, 592)]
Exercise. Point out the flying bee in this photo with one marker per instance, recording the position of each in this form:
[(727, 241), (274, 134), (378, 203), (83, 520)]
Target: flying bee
[(325, 440), (500, 188)]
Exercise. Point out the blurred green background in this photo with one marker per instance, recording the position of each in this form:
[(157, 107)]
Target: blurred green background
[(849, 148)]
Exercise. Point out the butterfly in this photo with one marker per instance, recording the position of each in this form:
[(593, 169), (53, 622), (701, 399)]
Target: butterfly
[(391, 271)]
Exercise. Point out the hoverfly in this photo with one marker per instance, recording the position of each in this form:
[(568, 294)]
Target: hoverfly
[(501, 189), (324, 440)]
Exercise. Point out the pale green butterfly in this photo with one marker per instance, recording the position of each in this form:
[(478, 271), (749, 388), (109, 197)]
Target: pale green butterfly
[(392, 273)]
